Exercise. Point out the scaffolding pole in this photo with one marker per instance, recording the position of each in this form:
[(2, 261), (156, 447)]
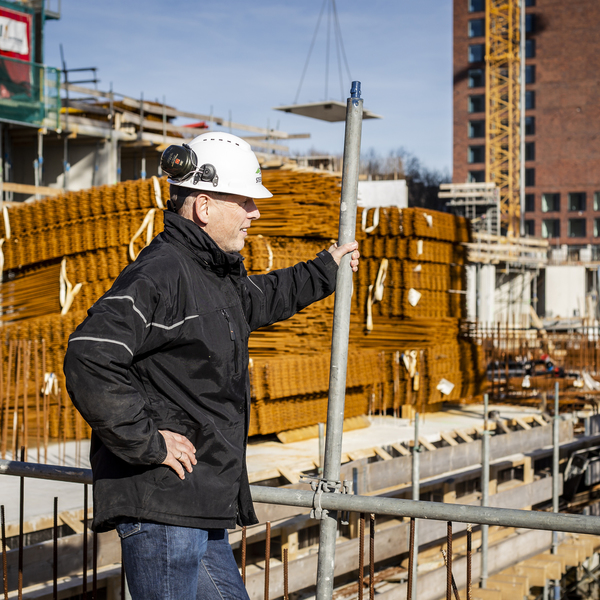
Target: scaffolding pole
[(339, 345)]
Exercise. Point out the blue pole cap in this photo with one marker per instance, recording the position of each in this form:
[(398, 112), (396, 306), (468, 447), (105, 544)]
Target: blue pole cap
[(355, 91)]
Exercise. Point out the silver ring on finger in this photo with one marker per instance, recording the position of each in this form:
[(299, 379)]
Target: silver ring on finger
[(180, 455)]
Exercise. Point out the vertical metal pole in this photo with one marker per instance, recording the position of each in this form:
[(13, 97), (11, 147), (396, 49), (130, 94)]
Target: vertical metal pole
[(85, 542), (522, 119), (55, 552), (416, 494), (143, 170), (339, 344), (555, 477), (322, 448), (164, 122), (1, 171), (112, 140), (485, 490), (39, 161), (21, 527)]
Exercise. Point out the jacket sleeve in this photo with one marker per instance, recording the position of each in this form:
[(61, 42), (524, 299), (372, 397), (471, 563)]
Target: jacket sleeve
[(282, 293), (97, 362)]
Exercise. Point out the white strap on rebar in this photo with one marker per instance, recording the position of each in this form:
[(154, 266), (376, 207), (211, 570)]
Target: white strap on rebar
[(148, 226), (157, 193), (380, 280), (50, 384), (2, 240), (6, 221), (376, 292), (365, 213), (410, 362), (269, 251), (68, 291)]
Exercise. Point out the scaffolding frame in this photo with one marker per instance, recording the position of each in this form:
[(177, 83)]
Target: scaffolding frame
[(503, 107)]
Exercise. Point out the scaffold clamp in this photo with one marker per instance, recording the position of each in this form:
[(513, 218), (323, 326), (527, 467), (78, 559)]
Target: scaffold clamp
[(320, 486)]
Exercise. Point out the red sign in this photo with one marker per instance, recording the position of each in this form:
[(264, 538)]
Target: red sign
[(15, 42), (15, 34)]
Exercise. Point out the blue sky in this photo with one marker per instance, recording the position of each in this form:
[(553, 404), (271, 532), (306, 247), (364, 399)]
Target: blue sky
[(247, 57)]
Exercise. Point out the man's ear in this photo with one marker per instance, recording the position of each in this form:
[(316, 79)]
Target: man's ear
[(201, 210)]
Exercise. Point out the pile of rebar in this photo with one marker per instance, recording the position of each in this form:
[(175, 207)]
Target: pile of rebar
[(62, 253)]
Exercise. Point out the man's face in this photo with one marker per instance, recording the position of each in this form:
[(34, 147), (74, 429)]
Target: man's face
[(229, 220)]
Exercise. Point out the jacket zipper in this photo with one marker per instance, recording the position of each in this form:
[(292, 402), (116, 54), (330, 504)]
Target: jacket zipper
[(232, 338)]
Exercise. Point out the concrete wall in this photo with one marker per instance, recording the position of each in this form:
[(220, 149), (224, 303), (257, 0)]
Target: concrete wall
[(494, 296), (92, 163), (391, 192), (513, 298), (565, 288), (481, 293)]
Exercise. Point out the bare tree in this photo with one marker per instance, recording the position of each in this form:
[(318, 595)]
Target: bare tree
[(423, 183)]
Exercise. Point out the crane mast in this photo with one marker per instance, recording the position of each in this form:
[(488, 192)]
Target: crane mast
[(503, 106)]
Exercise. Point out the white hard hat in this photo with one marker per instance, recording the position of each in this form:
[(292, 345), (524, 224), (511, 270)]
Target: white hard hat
[(220, 162)]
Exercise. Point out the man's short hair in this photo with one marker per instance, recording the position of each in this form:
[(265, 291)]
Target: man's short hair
[(180, 196)]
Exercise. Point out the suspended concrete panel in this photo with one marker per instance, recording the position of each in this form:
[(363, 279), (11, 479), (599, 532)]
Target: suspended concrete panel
[(332, 111)]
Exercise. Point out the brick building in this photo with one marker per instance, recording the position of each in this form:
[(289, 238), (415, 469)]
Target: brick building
[(562, 129)]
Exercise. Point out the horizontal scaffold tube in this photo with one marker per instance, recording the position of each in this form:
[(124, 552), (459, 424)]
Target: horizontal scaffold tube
[(436, 511)]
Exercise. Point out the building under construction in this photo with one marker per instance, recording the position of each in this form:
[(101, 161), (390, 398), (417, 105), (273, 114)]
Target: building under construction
[(445, 309)]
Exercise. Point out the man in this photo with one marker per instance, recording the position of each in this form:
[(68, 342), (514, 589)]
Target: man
[(159, 369)]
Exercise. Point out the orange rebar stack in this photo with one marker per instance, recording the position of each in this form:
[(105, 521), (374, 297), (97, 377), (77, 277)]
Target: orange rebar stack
[(62, 253)]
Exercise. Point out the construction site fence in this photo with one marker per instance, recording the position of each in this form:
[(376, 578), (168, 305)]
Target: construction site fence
[(574, 350), (318, 501)]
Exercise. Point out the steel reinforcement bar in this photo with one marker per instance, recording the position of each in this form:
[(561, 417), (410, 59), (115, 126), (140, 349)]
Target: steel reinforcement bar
[(436, 511)]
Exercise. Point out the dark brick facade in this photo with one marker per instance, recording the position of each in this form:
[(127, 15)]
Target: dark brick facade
[(566, 109)]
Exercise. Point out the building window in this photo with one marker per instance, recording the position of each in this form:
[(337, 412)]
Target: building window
[(529, 48), (476, 5), (530, 23), (476, 78), (530, 74), (530, 227), (576, 228), (476, 27), (596, 200), (476, 154), (596, 227), (529, 100), (550, 202), (551, 228), (477, 103), (476, 177), (529, 202), (529, 177), (529, 125), (529, 2), (577, 201), (476, 129), (530, 151), (476, 53)]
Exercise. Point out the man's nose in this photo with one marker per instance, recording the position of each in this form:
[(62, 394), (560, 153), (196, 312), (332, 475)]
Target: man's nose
[(253, 212)]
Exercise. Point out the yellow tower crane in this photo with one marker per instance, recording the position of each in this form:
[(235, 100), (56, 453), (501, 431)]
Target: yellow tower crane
[(503, 106)]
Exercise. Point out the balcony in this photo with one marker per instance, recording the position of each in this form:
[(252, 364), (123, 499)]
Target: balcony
[(29, 93)]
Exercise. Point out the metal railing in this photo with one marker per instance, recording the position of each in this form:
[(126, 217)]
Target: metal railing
[(317, 501)]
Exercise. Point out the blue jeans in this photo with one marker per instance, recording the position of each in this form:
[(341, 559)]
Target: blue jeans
[(164, 562)]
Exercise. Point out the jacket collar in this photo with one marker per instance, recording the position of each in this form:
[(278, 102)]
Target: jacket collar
[(198, 243)]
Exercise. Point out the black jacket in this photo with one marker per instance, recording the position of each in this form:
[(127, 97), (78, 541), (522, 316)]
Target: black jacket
[(167, 348)]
